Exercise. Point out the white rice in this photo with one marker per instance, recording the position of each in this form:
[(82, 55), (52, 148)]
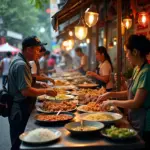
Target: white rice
[(39, 135)]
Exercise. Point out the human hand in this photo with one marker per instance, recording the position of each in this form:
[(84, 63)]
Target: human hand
[(103, 97), (91, 74), (51, 92), (44, 85), (106, 105), (51, 80)]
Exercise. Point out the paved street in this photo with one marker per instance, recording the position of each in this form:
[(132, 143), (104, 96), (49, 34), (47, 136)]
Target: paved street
[(4, 131)]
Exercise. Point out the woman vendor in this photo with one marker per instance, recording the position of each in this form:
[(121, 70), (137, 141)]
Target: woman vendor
[(104, 70), (138, 93)]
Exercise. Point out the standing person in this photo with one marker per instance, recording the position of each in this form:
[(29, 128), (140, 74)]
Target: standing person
[(52, 62), (44, 64), (20, 87), (138, 93), (35, 68), (104, 70), (5, 63), (83, 68)]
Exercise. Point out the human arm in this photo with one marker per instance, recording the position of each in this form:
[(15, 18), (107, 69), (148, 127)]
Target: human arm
[(44, 78), (121, 94), (33, 92), (141, 89), (137, 102), (99, 77)]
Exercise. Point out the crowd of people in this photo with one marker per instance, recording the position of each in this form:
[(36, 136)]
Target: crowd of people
[(32, 65)]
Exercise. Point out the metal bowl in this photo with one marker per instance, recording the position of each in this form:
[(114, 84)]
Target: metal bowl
[(70, 127)]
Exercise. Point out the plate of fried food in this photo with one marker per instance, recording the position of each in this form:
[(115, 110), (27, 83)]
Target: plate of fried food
[(63, 106), (87, 85), (105, 117), (115, 133), (63, 117), (90, 107)]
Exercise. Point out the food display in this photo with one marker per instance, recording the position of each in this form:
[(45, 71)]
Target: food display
[(61, 82), (90, 107), (64, 106), (84, 128), (105, 117), (89, 95), (99, 117), (87, 85), (60, 97), (87, 127), (119, 133), (40, 135), (53, 117)]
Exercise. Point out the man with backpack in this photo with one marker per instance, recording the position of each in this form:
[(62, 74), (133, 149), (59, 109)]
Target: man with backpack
[(21, 89)]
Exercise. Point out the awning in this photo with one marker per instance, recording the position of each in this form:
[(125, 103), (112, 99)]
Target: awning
[(8, 48), (70, 9)]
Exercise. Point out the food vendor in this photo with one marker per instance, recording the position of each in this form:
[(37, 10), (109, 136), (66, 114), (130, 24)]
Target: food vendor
[(138, 93), (104, 70)]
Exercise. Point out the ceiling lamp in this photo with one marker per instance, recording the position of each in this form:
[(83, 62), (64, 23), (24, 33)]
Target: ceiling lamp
[(91, 16), (127, 22), (81, 30), (87, 40), (143, 19), (70, 33)]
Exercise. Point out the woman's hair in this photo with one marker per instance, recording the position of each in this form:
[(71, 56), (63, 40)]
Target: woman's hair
[(78, 49), (102, 49), (139, 42)]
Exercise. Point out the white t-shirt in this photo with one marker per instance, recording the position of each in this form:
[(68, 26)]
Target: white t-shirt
[(84, 61), (6, 65), (105, 69), (42, 62), (33, 67)]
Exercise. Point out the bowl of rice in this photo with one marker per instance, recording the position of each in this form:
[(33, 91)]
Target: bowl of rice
[(40, 136)]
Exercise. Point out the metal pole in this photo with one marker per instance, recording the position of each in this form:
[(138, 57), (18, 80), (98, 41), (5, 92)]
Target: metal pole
[(119, 41)]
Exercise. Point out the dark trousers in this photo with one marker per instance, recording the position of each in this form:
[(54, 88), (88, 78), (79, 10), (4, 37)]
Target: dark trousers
[(146, 137), (17, 126), (4, 79)]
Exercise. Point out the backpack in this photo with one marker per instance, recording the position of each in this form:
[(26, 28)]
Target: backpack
[(5, 102), (6, 99)]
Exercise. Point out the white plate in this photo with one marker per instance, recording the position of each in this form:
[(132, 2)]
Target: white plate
[(57, 134), (68, 97), (80, 108), (48, 112), (116, 116)]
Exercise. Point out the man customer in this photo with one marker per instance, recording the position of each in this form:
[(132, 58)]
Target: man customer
[(20, 87), (35, 68), (5, 63)]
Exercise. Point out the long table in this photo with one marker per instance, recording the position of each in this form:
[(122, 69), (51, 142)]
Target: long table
[(90, 142)]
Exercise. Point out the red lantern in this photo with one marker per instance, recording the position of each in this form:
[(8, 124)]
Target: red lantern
[(143, 18)]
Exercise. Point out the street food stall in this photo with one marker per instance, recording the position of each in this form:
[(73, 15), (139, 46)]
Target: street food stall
[(73, 120)]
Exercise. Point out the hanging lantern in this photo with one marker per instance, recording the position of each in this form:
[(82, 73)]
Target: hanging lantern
[(81, 30), (110, 45), (127, 22), (143, 19), (91, 16), (68, 44), (87, 40), (70, 33)]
